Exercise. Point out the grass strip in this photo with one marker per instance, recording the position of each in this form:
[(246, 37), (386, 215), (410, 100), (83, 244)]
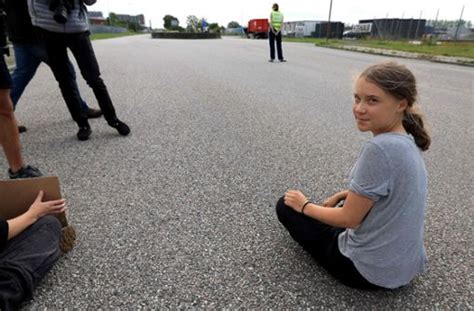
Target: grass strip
[(453, 49)]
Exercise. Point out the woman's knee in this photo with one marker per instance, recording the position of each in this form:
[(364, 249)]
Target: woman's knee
[(51, 224), (282, 209)]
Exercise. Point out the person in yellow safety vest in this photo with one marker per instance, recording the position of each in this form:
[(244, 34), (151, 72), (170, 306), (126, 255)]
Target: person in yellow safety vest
[(276, 23)]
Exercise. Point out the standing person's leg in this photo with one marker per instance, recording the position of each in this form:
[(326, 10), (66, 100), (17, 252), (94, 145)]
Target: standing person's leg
[(26, 65), (28, 57), (279, 49), (26, 259), (56, 48), (40, 52), (9, 137), (84, 106), (83, 51), (321, 242), (271, 37)]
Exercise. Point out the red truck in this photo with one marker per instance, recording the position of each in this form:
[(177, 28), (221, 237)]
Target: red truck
[(257, 28)]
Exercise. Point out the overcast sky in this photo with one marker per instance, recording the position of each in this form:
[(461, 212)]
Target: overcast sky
[(347, 11)]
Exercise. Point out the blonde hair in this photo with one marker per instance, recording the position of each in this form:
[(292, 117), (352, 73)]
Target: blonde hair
[(400, 82)]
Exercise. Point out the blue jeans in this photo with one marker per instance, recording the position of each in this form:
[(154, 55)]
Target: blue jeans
[(28, 58)]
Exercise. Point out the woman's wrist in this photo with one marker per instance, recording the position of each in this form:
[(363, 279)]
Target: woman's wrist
[(30, 217), (306, 203)]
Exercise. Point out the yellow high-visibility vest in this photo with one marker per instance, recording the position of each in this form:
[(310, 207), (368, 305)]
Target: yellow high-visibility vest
[(276, 20)]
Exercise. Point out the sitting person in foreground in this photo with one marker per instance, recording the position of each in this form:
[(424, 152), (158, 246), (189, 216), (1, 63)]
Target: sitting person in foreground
[(29, 246), (375, 240)]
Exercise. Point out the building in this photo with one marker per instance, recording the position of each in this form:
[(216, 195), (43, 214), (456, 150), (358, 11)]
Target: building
[(315, 29), (96, 18), (299, 28), (139, 19), (395, 28), (336, 29)]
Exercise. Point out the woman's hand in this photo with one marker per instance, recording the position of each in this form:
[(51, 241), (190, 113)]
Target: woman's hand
[(39, 209), (295, 199), (333, 200)]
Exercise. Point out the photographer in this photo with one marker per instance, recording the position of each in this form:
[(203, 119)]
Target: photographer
[(9, 137), (29, 53), (64, 24)]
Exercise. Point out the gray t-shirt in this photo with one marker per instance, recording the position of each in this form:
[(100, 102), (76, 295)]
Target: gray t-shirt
[(387, 248)]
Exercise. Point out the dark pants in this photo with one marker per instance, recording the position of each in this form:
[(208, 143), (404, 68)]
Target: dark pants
[(272, 37), (26, 259), (80, 45), (28, 57), (320, 240)]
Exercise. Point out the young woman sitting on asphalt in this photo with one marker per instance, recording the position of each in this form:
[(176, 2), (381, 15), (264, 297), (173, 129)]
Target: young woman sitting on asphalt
[(375, 240)]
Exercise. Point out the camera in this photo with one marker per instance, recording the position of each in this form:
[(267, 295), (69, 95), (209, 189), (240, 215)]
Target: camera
[(60, 12), (61, 9)]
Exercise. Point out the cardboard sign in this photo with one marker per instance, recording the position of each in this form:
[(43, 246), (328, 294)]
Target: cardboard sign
[(17, 195)]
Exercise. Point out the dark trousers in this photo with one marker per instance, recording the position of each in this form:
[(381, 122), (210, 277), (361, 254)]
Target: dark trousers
[(320, 240), (26, 259), (276, 38), (28, 57), (80, 45)]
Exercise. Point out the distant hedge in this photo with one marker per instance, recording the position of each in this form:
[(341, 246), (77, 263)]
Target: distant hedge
[(185, 35)]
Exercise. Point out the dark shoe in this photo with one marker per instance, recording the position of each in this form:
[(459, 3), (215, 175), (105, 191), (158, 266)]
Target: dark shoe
[(22, 129), (25, 172), (282, 60), (121, 127), (84, 133), (94, 113), (271, 60)]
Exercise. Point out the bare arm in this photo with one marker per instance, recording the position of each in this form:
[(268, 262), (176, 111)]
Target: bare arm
[(333, 200), (350, 215), (37, 210)]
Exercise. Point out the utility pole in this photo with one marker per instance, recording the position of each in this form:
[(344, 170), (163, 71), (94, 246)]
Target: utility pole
[(459, 24), (418, 26), (329, 22)]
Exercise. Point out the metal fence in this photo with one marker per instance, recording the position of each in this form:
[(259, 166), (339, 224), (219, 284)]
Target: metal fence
[(106, 29)]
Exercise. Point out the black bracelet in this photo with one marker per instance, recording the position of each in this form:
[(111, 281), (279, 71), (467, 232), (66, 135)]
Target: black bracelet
[(304, 205)]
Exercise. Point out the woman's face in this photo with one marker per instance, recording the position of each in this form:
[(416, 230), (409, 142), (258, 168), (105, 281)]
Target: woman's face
[(376, 110)]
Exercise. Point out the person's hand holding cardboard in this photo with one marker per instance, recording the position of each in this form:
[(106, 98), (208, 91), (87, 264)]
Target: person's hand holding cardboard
[(16, 197)]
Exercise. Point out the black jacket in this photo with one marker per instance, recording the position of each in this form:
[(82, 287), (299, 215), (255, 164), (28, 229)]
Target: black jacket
[(3, 233), (19, 27)]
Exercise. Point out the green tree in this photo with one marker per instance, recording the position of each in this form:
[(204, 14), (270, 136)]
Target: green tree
[(113, 20), (443, 23), (233, 24), (214, 27), (133, 26), (168, 22), (192, 23)]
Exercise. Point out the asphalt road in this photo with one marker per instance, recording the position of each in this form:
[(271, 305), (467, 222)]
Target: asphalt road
[(181, 213)]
